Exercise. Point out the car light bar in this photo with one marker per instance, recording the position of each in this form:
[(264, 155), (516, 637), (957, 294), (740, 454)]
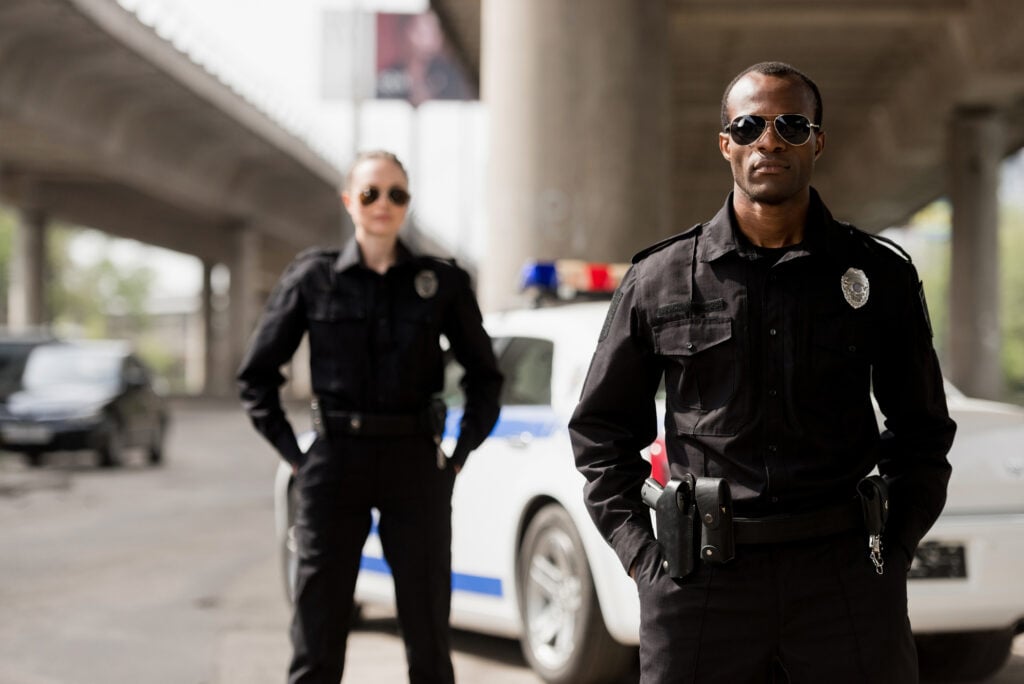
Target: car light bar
[(571, 278)]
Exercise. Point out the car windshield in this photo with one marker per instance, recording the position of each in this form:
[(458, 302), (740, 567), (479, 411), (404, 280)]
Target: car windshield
[(63, 365)]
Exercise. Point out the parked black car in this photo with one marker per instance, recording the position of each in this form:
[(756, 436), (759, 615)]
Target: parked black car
[(65, 396)]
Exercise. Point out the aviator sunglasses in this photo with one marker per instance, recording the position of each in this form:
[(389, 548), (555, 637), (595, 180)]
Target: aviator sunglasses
[(795, 129), (397, 195)]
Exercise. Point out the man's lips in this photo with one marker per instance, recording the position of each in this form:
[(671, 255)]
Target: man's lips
[(770, 166)]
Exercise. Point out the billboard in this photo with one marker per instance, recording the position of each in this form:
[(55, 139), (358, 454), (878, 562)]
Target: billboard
[(415, 62)]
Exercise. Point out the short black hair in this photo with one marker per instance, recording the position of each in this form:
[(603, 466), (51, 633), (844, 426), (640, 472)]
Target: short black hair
[(781, 70)]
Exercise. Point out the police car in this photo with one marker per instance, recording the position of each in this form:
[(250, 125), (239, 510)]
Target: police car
[(528, 563)]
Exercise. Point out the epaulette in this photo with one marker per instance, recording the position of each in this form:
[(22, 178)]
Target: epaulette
[(658, 246), (884, 242), (312, 252), (447, 261)]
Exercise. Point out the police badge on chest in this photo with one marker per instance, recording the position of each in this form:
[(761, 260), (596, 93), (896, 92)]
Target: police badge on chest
[(425, 284)]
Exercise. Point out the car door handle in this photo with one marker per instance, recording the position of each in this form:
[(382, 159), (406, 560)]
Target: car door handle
[(520, 441)]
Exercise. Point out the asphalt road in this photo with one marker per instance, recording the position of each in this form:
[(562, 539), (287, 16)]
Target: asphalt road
[(169, 575)]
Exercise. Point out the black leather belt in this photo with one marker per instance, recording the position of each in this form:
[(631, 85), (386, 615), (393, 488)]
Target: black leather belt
[(777, 529), (339, 422)]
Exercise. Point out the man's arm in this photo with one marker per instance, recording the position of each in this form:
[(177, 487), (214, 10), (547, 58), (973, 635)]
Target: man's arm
[(613, 421), (482, 380), (272, 344), (919, 432)]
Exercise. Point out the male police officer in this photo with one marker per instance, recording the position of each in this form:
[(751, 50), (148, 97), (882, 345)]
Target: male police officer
[(374, 313), (771, 324)]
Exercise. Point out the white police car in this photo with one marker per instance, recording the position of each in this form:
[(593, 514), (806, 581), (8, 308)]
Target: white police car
[(528, 563)]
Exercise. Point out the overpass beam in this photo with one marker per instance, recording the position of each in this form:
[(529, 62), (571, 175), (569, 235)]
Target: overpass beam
[(578, 99), (26, 300), (977, 143)]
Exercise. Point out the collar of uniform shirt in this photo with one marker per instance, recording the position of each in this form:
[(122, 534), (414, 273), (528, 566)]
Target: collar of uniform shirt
[(351, 256)]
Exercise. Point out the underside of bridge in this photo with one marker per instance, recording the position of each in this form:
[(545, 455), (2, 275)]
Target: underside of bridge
[(603, 119)]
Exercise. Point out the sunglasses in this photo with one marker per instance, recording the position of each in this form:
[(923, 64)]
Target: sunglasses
[(397, 195), (795, 129)]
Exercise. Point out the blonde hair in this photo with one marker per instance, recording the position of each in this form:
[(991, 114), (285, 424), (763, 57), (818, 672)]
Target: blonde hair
[(374, 154)]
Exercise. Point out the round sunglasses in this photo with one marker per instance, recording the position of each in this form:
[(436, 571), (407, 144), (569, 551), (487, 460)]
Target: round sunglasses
[(747, 129), (398, 196)]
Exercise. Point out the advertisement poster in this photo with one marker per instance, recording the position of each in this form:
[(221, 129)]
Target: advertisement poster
[(414, 62)]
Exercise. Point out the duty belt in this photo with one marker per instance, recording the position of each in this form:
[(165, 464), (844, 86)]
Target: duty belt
[(364, 424), (777, 529)]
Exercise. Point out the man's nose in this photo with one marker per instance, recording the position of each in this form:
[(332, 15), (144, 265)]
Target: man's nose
[(770, 139)]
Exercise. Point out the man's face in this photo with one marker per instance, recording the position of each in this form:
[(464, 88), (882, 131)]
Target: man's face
[(770, 170)]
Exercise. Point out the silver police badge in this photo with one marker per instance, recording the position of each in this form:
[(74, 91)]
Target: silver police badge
[(425, 284), (855, 287)]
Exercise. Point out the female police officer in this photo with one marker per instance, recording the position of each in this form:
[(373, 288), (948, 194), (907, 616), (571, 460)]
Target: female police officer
[(374, 312)]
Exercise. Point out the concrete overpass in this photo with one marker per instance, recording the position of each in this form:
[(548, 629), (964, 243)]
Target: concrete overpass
[(603, 118), (104, 124)]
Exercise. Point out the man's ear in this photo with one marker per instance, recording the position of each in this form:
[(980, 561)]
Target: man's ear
[(819, 143), (725, 145), (346, 200)]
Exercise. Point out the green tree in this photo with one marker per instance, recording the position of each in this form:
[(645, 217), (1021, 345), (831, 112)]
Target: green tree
[(85, 296)]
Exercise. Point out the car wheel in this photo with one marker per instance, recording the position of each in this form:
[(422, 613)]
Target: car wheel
[(34, 458), (155, 451), (963, 656), (112, 450), (564, 636)]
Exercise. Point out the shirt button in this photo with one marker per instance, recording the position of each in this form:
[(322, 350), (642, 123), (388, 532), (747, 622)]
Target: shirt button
[(772, 448), (772, 393), (689, 346), (773, 332), (775, 499)]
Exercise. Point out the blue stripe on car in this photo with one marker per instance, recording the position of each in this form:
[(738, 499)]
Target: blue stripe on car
[(472, 584)]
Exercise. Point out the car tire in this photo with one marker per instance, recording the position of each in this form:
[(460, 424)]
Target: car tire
[(564, 637), (112, 451), (155, 450), (963, 656)]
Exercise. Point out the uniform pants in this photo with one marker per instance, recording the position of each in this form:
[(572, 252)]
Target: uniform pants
[(338, 484), (803, 612)]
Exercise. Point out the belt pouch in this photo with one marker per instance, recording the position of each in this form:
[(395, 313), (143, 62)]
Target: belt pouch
[(675, 518), (714, 504), (874, 500)]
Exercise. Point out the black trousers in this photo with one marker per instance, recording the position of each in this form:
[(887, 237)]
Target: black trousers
[(803, 612), (338, 484)]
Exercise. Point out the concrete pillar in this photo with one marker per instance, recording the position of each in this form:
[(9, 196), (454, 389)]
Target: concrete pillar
[(244, 295), (26, 302), (578, 100), (977, 143), (209, 337)]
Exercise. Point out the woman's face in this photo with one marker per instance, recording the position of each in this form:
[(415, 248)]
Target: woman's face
[(380, 180)]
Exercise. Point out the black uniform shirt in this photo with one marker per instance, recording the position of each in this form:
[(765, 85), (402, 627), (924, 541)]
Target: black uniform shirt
[(768, 371), (374, 342)]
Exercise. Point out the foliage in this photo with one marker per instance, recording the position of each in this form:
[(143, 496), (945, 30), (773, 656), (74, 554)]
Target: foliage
[(1011, 247), (85, 296)]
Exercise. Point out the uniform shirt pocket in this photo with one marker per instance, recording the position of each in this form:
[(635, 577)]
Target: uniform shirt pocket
[(700, 367)]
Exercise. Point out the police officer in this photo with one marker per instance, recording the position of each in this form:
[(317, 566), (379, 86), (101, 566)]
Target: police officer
[(770, 324), (374, 313)]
